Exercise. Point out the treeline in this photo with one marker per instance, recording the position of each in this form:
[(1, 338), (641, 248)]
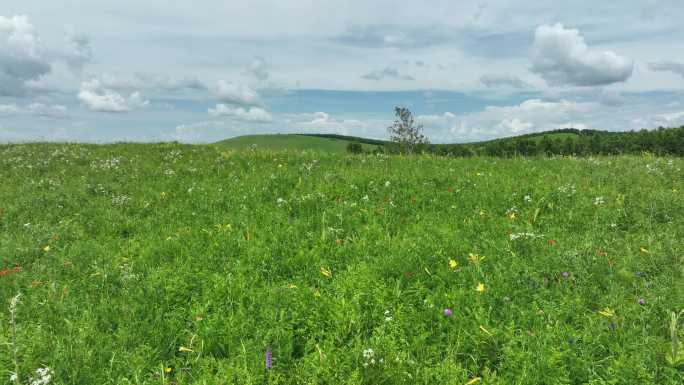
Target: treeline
[(661, 141)]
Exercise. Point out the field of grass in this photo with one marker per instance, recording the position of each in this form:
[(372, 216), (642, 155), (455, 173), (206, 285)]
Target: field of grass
[(288, 142), (179, 264)]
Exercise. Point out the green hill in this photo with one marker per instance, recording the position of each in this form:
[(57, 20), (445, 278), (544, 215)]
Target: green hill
[(566, 141), (325, 143)]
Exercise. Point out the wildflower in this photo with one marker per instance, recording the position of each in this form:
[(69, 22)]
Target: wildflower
[(448, 312), (565, 274), (480, 287), (637, 274), (453, 264), (607, 312), (326, 272), (16, 269), (292, 286), (280, 201), (46, 248), (368, 353), (475, 259), (599, 201), (388, 316), (269, 358), (527, 199), (387, 183), (641, 301), (13, 377), (168, 369), (44, 376)]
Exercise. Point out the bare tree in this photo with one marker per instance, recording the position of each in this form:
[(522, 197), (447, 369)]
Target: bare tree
[(406, 132)]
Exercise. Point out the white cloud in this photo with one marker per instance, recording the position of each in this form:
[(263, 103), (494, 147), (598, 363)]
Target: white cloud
[(515, 125), (324, 123), (259, 69), (9, 109), (671, 66), (21, 56), (561, 57), (101, 99), (388, 72), (496, 81), (532, 115), (78, 51), (34, 109), (237, 94), (250, 114), (156, 82)]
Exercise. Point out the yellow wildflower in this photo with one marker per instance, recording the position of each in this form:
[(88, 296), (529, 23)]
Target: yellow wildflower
[(453, 264), (607, 312), (46, 248), (480, 287), (291, 286), (326, 272), (474, 258)]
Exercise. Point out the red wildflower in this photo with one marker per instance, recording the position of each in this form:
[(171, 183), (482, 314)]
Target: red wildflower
[(16, 269)]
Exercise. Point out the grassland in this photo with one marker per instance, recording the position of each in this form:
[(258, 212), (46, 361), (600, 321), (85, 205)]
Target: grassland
[(177, 264)]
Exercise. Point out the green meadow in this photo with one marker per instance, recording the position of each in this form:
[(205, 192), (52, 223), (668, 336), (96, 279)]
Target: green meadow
[(180, 264)]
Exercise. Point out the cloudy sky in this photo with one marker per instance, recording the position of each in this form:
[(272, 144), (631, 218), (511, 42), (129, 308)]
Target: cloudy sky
[(102, 71)]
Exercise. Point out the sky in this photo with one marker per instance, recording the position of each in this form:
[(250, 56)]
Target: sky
[(198, 72)]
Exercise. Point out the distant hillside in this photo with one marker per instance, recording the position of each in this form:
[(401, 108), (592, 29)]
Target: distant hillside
[(325, 143), (563, 141)]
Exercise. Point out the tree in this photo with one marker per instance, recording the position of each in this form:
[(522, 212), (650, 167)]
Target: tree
[(405, 132), (354, 148)]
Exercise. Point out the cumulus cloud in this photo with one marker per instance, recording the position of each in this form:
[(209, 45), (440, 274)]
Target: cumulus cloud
[(236, 94), (497, 81), (250, 114), (98, 98), (669, 66), (561, 57), (388, 72), (21, 56)]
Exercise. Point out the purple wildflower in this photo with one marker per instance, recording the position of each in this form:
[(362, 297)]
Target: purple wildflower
[(565, 274), (641, 301), (269, 358), (637, 274), (448, 312)]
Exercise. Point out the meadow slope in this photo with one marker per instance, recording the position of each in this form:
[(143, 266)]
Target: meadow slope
[(179, 264)]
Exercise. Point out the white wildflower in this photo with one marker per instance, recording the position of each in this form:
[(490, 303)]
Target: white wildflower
[(368, 353), (387, 183), (44, 376), (599, 201), (365, 198), (527, 199), (388, 316)]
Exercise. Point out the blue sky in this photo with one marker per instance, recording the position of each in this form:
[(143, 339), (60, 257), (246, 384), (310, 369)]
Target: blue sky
[(77, 70)]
